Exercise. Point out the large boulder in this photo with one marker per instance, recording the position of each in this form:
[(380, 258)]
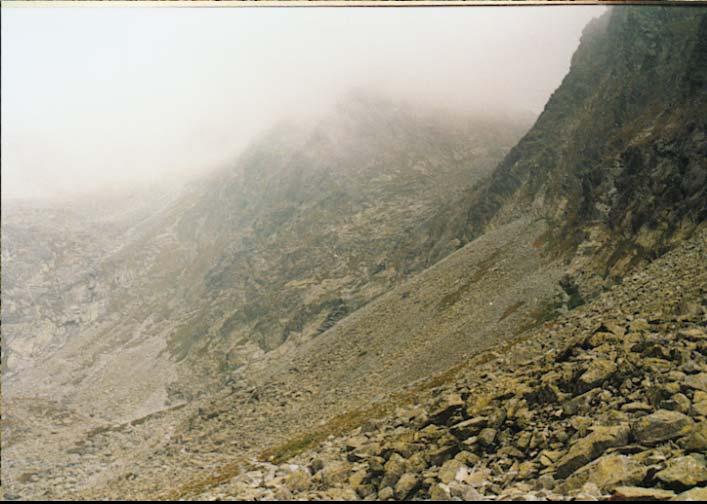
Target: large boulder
[(591, 447), (662, 425), (608, 472), (684, 472), (406, 485), (599, 371), (446, 408), (632, 493)]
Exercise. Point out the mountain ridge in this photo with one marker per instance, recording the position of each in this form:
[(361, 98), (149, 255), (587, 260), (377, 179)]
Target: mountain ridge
[(570, 251)]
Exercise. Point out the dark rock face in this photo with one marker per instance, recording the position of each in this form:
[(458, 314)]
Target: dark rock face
[(616, 159)]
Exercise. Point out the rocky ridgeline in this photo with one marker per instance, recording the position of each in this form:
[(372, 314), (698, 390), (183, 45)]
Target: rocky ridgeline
[(615, 409)]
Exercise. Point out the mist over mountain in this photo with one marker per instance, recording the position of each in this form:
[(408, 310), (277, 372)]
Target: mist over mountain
[(189, 89), (390, 299), (304, 228)]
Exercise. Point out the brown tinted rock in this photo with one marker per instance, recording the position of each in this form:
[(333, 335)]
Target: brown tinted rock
[(684, 472), (527, 470), (358, 478), (599, 371), (632, 493), (487, 437), (591, 447), (386, 493), (639, 325), (335, 472), (699, 403), (608, 472), (697, 440), (637, 406), (439, 455), (298, 481), (406, 485), (697, 381), (448, 471), (440, 492), (468, 428), (523, 441), (355, 442), (661, 426), (694, 494), (693, 334), (678, 402), (446, 408), (393, 470)]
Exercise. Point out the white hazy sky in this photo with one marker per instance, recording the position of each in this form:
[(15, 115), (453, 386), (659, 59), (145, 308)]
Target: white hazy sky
[(105, 96)]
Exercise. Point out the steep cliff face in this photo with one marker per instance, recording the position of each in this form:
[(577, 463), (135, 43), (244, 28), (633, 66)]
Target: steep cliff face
[(616, 161)]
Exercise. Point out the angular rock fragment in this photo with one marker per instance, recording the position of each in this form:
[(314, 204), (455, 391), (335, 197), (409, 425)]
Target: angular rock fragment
[(661, 426), (632, 493), (591, 447), (684, 472)]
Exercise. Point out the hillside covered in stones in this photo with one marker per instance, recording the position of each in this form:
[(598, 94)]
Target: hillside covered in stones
[(624, 400), (607, 401), (395, 304), (308, 225)]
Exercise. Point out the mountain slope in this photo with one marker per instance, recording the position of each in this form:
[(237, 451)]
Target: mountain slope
[(307, 226), (594, 189), (615, 166), (570, 175), (616, 159), (607, 401)]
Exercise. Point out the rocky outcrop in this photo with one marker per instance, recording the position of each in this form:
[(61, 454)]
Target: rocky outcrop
[(616, 159)]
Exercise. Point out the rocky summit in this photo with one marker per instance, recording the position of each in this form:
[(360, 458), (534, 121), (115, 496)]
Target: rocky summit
[(395, 303)]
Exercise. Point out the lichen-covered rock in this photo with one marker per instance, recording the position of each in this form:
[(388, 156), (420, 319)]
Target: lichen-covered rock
[(694, 494), (448, 471), (696, 381), (697, 439), (684, 472), (661, 426), (298, 481), (335, 472), (440, 492), (591, 447), (599, 371), (608, 472), (407, 483), (632, 493)]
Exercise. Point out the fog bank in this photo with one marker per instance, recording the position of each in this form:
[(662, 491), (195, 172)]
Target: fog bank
[(118, 96)]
